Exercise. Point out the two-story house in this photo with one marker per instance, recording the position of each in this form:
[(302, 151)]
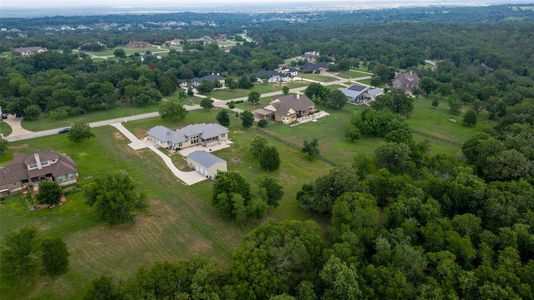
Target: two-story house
[(32, 168)]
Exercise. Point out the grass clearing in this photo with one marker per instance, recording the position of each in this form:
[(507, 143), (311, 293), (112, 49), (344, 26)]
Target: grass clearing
[(364, 81), (128, 51), (434, 122), (262, 88), (354, 74), (318, 77), (428, 123), (118, 111)]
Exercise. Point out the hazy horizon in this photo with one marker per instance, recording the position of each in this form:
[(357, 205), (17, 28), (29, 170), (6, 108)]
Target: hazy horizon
[(39, 8), (37, 4)]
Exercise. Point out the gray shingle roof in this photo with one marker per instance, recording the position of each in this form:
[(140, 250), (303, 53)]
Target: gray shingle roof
[(164, 134), (26, 49), (205, 131), (205, 159), (211, 77)]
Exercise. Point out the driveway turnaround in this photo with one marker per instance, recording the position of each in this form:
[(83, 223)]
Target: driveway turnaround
[(188, 178)]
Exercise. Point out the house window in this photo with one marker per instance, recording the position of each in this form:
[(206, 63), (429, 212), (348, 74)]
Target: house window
[(179, 145), (32, 166), (45, 163), (223, 135), (194, 140)]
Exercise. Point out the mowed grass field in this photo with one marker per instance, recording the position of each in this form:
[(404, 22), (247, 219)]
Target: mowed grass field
[(354, 74), (180, 222), (262, 88), (118, 111), (427, 123), (317, 77), (128, 51)]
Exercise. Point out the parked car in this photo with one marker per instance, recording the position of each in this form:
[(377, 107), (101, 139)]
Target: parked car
[(18, 115), (4, 116), (64, 130)]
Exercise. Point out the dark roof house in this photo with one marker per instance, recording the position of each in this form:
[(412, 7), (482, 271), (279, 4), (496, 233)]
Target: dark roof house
[(310, 68), (40, 165), (212, 77)]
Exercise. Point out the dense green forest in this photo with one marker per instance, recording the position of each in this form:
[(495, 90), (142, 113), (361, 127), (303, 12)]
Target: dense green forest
[(401, 224)]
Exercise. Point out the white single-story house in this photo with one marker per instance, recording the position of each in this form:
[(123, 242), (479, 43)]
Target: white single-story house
[(191, 135), (273, 77), (292, 71), (206, 164), (358, 93), (26, 51), (197, 81)]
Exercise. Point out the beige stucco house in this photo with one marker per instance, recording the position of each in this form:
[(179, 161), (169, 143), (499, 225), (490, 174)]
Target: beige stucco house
[(206, 164), (286, 109)]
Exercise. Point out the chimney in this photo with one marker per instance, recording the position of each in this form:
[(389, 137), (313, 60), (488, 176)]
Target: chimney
[(37, 160)]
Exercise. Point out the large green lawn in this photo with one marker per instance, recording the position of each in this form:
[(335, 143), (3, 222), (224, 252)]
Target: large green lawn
[(354, 74), (317, 77), (227, 94), (180, 222), (5, 129), (364, 81), (428, 123), (117, 112)]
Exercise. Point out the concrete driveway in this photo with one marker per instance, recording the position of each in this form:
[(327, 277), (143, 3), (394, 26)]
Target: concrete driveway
[(188, 178)]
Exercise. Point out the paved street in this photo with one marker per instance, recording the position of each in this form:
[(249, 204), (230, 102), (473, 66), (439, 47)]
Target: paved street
[(26, 135)]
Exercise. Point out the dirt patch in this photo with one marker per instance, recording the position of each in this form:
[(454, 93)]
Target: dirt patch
[(118, 136), (19, 147)]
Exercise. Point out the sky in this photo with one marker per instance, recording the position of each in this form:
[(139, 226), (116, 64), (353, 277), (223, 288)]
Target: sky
[(33, 4)]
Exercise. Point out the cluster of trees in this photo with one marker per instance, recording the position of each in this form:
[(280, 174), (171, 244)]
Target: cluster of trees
[(395, 100), (24, 255), (115, 198), (507, 155), (267, 155), (234, 197), (323, 95), (373, 123), (63, 85)]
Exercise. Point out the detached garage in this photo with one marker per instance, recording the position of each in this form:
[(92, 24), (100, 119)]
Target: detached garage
[(206, 164)]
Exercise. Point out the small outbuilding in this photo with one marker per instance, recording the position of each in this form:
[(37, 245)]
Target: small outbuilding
[(206, 164)]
